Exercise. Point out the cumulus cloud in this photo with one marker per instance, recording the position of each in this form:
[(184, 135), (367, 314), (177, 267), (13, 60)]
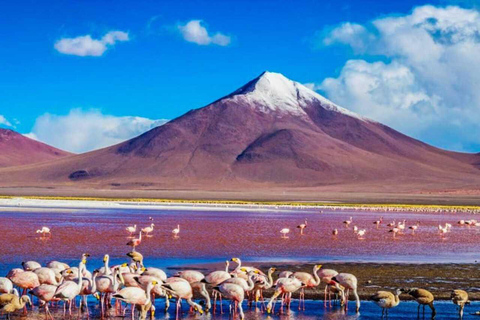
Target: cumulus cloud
[(425, 79), (86, 130), (194, 31), (87, 46), (4, 121), (352, 34)]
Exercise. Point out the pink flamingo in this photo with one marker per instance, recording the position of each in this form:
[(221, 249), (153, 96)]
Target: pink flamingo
[(302, 226), (135, 242), (326, 276)]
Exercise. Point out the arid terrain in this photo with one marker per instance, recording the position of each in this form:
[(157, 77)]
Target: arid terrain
[(271, 139)]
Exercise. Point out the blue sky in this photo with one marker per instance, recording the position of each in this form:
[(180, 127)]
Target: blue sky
[(159, 73)]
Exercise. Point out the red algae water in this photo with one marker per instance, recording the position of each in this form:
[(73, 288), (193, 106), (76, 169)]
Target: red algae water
[(252, 235)]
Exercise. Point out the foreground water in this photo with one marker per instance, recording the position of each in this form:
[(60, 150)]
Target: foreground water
[(314, 310)]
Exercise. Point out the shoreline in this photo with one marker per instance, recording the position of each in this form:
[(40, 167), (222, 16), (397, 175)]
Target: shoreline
[(32, 203)]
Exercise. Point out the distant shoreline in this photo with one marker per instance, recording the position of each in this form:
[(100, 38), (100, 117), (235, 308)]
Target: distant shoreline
[(32, 202)]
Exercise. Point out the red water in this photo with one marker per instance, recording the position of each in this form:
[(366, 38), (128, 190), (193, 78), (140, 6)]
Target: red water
[(218, 235)]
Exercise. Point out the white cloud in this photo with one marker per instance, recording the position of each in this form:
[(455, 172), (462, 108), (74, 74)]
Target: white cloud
[(352, 34), (194, 31), (425, 79), (4, 121), (86, 46), (81, 131)]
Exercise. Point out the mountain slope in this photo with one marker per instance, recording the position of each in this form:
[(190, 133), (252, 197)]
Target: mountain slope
[(16, 149), (272, 132)]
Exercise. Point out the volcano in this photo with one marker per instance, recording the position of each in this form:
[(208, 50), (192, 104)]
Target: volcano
[(270, 133), (16, 149)]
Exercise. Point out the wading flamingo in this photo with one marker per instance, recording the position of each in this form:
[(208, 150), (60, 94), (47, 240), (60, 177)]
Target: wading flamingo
[(302, 226), (285, 232), (181, 289), (69, 290), (131, 229), (460, 298), (235, 294), (386, 300), (176, 231), (135, 242), (310, 281), (136, 296), (44, 231), (349, 282), (285, 286), (148, 229), (326, 276), (423, 297)]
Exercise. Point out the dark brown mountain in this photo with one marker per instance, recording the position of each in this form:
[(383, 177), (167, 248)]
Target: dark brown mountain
[(272, 132), (16, 149)]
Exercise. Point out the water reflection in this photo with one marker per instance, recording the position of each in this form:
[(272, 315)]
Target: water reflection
[(314, 310)]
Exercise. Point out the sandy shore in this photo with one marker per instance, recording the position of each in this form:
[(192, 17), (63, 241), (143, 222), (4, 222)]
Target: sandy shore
[(52, 203), (440, 279)]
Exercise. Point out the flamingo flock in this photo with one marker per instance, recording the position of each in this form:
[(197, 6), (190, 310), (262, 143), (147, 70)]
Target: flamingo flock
[(133, 287)]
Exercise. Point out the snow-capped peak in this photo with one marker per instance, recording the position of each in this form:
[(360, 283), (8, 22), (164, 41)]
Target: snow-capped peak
[(273, 91)]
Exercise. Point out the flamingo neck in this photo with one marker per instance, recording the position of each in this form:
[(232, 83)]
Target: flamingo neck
[(250, 283), (80, 269), (237, 269), (269, 284), (149, 293), (107, 268), (317, 278)]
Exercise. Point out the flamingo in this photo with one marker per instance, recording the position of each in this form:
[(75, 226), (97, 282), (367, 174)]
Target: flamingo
[(378, 222), (45, 293), (413, 228), (460, 298), (284, 286), (30, 265), (11, 302), (176, 231), (386, 300), (89, 287), (235, 294), (263, 283), (309, 281), (326, 276), (25, 280), (215, 278), (181, 289), (335, 232), (46, 276), (195, 278), (136, 296), (131, 229), (394, 231), (6, 286), (285, 232), (106, 284), (349, 282), (44, 230), (423, 298), (135, 242), (361, 233), (241, 271), (392, 224), (149, 229), (155, 272), (302, 226), (348, 222), (69, 290)]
